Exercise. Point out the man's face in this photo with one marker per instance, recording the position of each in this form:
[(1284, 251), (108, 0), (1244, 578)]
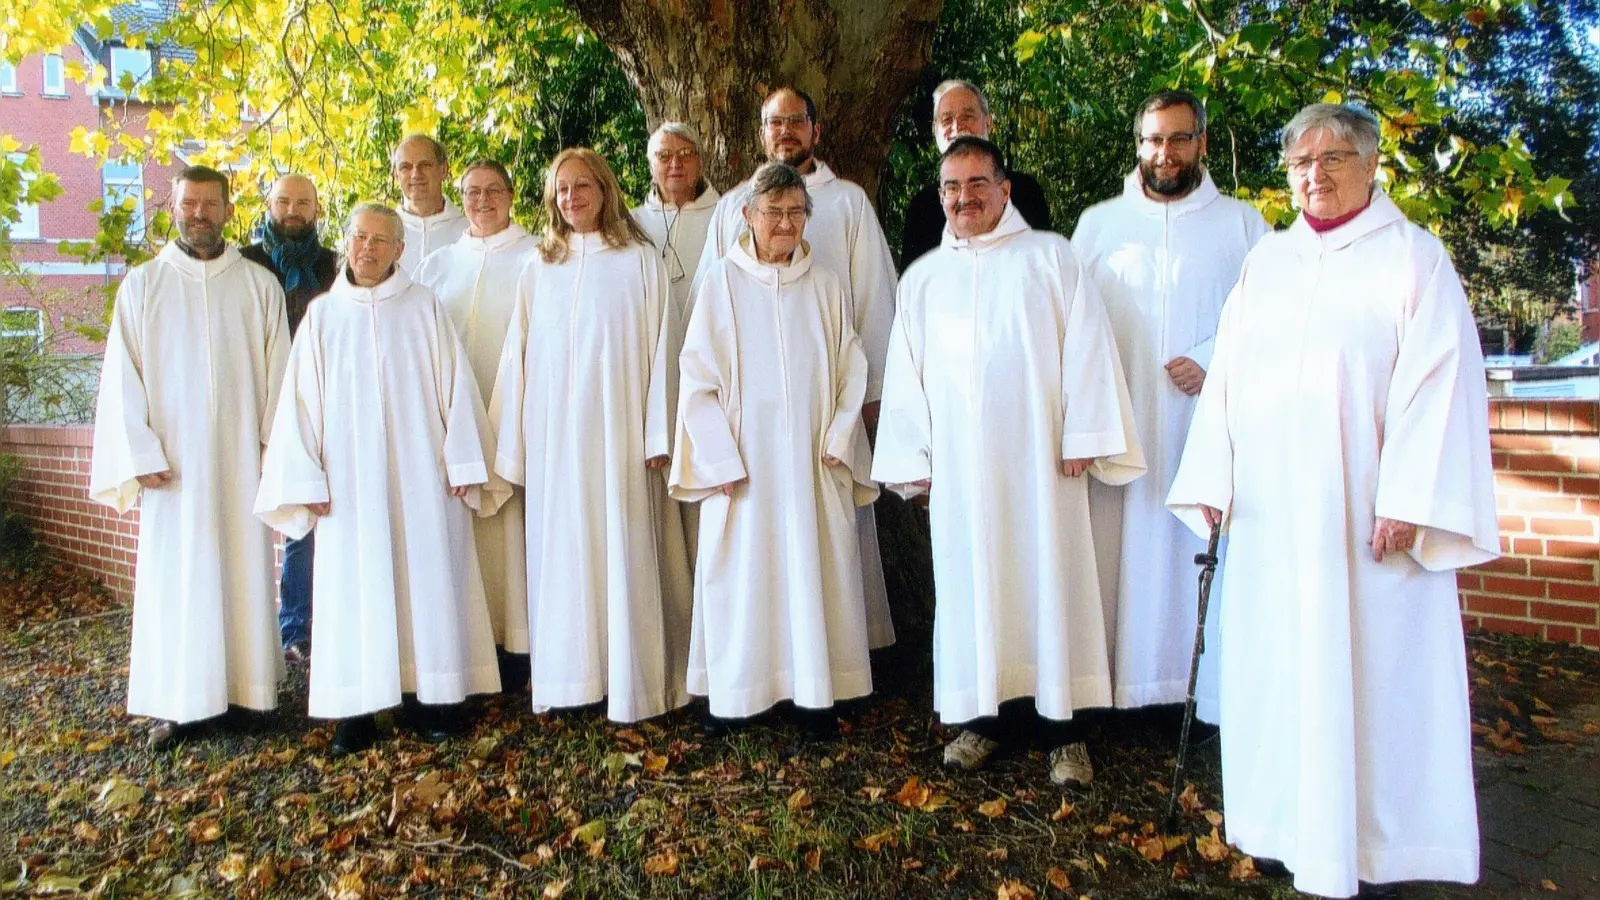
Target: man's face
[(293, 207), (419, 174), (372, 248), (202, 211), (487, 202), (674, 166), (959, 114), (1171, 150), (777, 222), (974, 194), (787, 134)]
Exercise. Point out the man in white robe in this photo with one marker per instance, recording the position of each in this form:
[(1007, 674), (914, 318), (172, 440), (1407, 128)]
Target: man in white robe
[(1342, 442), (770, 444), (582, 410), (845, 239), (420, 168), (476, 280), (1002, 391), (380, 443), (194, 357), (1164, 256)]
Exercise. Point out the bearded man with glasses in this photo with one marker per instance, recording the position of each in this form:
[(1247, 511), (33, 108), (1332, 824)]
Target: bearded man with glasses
[(1164, 255)]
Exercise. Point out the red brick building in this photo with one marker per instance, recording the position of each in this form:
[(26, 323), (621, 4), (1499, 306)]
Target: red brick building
[(1589, 304)]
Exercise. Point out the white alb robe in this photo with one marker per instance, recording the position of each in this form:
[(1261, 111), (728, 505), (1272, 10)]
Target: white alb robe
[(679, 233), (772, 381), (1163, 270), (1002, 364), (583, 398), (847, 240), (425, 234), (1347, 384), (476, 280), (379, 418), (194, 357)]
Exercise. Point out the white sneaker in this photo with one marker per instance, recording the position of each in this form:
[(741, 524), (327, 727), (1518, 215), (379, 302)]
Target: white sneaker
[(968, 751), (1070, 766)]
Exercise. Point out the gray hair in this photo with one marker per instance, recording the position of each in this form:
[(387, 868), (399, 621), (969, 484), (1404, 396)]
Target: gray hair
[(1166, 100), (952, 84), (393, 218), (776, 178), (435, 146), (1345, 120), (677, 129), (485, 163)]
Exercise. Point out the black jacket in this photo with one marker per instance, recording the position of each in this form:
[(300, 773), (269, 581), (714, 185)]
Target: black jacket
[(326, 267), (925, 216)]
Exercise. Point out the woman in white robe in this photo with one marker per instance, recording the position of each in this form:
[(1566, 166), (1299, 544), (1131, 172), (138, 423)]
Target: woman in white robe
[(770, 443), (476, 280), (582, 410), (1342, 441)]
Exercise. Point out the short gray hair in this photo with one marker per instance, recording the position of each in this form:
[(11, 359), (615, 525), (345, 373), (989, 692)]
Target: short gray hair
[(951, 84), (388, 213), (435, 146), (1345, 120), (776, 178), (677, 129)]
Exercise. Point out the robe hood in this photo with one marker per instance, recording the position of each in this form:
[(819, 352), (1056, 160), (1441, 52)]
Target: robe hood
[(742, 254), (707, 200), (501, 239), (396, 284), (198, 269), (1199, 198), (1011, 223), (1381, 212), (450, 213)]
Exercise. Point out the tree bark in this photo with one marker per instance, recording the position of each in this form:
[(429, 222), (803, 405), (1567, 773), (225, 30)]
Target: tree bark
[(710, 63)]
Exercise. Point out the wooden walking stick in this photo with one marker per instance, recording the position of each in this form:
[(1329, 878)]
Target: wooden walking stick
[(1207, 562)]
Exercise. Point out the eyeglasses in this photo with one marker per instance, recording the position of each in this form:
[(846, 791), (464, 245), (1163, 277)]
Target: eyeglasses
[(773, 215), (491, 193), (965, 120), (1332, 161), (776, 123), (952, 190), (1177, 141), (685, 154)]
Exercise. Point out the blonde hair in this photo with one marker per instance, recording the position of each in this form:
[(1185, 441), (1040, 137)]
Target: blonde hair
[(617, 227)]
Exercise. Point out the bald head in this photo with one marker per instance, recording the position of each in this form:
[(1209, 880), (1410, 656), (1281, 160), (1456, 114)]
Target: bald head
[(292, 206)]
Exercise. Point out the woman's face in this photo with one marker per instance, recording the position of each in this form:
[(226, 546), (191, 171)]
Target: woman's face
[(1328, 177)]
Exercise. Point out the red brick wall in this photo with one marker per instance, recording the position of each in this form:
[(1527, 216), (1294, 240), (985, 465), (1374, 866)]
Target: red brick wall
[(55, 495), (1547, 488)]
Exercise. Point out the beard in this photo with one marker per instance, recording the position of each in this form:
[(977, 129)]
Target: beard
[(293, 231), (794, 157), (202, 234), (1186, 179)]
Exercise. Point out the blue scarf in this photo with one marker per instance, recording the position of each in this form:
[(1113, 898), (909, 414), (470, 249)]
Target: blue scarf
[(294, 258)]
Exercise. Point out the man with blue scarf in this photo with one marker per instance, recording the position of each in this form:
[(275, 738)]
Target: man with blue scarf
[(289, 248)]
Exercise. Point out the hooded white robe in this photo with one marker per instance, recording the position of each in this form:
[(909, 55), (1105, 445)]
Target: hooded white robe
[(425, 234), (772, 381), (847, 240), (1001, 365), (1347, 384), (476, 280), (380, 417), (194, 357), (583, 398), (1163, 270)]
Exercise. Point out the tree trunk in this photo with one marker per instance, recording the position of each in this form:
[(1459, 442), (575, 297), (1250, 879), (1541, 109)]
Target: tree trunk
[(710, 63)]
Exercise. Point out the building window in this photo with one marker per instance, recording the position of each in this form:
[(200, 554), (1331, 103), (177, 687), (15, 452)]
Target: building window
[(22, 330), (26, 227), (8, 78), (128, 63), (122, 182), (55, 76)]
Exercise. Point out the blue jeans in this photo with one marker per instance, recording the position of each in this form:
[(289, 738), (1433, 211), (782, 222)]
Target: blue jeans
[(294, 590)]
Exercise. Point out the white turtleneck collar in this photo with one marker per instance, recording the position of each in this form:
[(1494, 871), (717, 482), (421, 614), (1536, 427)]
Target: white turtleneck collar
[(1011, 224), (742, 254)]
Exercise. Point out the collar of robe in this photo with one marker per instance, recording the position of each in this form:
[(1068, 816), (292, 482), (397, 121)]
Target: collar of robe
[(1380, 213), (1011, 223), (393, 286), (743, 255), (198, 269), (707, 200), (587, 243), (501, 239), (449, 214), (1194, 201)]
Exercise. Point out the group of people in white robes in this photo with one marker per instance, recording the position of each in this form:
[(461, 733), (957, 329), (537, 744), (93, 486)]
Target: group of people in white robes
[(632, 459)]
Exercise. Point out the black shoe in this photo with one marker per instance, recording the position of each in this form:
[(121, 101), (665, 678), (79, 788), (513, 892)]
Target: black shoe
[(166, 735), (1378, 891), (515, 669), (1271, 868), (714, 728), (353, 735), (431, 723), (817, 725)]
